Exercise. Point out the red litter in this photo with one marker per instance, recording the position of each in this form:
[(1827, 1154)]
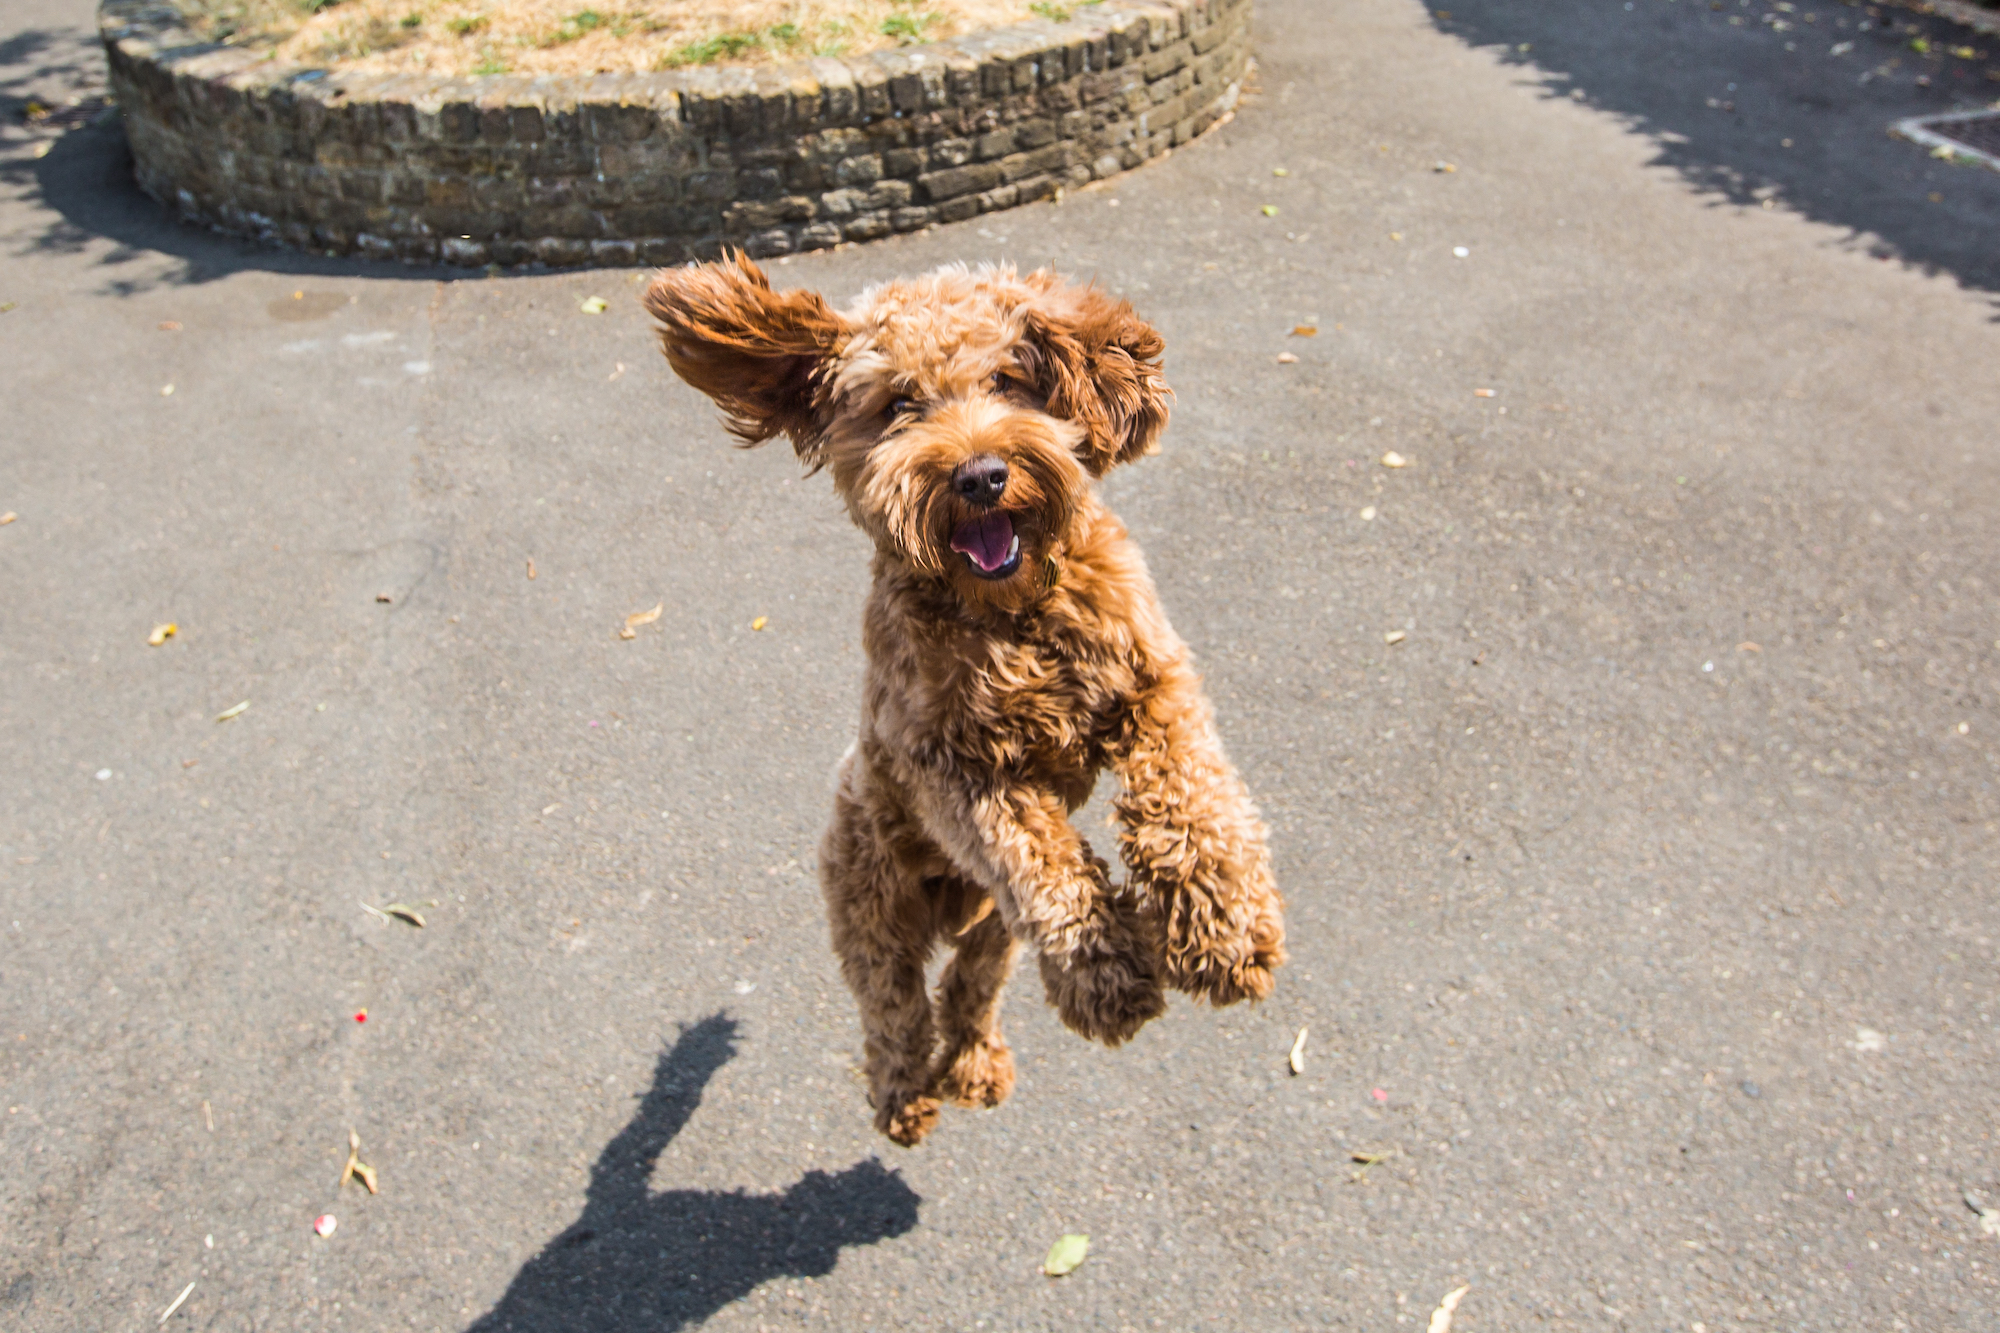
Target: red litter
[(325, 1223), (1379, 1095), (361, 1017)]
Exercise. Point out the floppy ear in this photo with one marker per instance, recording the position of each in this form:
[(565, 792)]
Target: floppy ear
[(1096, 360), (758, 353)]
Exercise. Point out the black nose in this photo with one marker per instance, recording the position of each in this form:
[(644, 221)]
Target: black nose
[(980, 479)]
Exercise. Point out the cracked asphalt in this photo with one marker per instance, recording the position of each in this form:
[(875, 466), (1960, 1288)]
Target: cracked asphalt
[(1641, 896)]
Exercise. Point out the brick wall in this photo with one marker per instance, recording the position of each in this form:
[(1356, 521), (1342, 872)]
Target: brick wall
[(660, 168)]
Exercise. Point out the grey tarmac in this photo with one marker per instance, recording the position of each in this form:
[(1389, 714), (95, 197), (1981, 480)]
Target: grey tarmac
[(1641, 895)]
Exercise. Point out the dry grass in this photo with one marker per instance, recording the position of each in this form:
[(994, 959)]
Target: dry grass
[(608, 36)]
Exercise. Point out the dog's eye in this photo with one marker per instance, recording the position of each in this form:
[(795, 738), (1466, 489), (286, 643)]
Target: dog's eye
[(902, 407)]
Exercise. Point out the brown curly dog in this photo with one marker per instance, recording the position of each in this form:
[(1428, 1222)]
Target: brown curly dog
[(1015, 648)]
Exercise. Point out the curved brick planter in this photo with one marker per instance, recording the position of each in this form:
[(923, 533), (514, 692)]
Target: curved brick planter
[(659, 168)]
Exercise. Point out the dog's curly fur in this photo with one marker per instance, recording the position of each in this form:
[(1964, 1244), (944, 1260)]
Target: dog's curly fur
[(995, 692)]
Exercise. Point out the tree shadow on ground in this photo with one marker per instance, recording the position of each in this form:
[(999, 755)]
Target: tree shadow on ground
[(639, 1260), (1722, 98)]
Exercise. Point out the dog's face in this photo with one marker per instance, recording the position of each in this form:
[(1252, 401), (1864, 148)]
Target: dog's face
[(961, 415)]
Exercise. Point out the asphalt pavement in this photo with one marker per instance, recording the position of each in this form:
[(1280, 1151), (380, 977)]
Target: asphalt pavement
[(1642, 903)]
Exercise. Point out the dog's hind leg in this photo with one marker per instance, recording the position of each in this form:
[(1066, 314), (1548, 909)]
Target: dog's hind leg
[(975, 1067), (882, 932), (1194, 845)]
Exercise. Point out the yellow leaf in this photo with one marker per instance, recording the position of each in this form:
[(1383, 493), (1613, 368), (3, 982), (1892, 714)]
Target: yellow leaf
[(161, 633), (356, 1169), (594, 305), (1305, 331), (1065, 1255), (7, 518), (234, 711), (638, 618), (760, 622), (1297, 1059), (1394, 636), (1441, 1317), (1279, 171), (1269, 210)]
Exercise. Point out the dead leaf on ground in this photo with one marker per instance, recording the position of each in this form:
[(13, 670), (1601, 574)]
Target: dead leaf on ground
[(594, 305), (1269, 210), (235, 710), (1369, 1157), (760, 622), (403, 910), (1065, 1255), (170, 326), (1287, 359), (1305, 330), (356, 1169), (1297, 1059), (1394, 636), (531, 569), (168, 1313), (638, 618), (161, 633), (1989, 1218), (1441, 1317), (385, 597), (7, 518)]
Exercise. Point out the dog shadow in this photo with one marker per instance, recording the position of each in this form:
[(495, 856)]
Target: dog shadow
[(639, 1260)]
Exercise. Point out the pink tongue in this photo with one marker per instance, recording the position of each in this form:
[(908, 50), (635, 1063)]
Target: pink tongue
[(988, 540)]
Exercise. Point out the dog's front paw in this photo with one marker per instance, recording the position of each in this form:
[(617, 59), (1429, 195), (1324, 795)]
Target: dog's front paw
[(981, 1074), (906, 1118), (1105, 996), (1225, 967)]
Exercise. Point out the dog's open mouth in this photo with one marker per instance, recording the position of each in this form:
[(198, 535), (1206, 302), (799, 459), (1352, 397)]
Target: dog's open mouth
[(990, 543)]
